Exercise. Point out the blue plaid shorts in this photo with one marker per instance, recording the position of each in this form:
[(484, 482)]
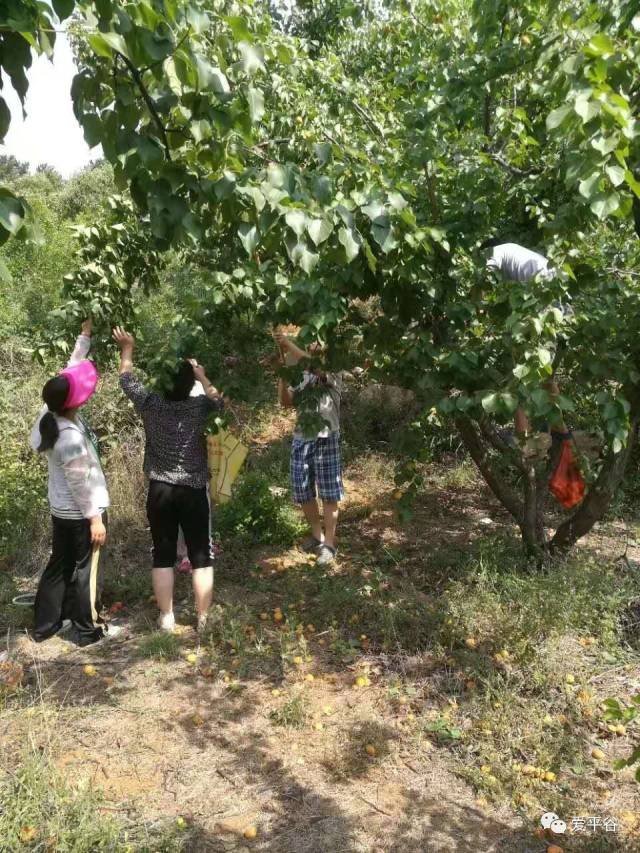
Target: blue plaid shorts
[(316, 462)]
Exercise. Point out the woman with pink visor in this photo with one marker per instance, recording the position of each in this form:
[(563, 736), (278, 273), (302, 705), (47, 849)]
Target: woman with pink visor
[(71, 583)]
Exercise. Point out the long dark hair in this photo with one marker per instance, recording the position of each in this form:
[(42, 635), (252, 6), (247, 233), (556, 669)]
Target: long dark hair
[(183, 381), (54, 394)]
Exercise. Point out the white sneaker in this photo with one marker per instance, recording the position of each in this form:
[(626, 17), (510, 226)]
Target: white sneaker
[(167, 622)]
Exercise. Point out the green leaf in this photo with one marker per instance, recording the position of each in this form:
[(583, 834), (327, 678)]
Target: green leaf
[(616, 174), (197, 20), (210, 77), (256, 103), (5, 118), (319, 230), (351, 241), (603, 205), (600, 45), (12, 212), (384, 237), (249, 237), (632, 182), (558, 116), (322, 150), (586, 108), (544, 356), (63, 8), (252, 57), (5, 273), (105, 43), (589, 186), (490, 403), (297, 221), (397, 201), (239, 27)]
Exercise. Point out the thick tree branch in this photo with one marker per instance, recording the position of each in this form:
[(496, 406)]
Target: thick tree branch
[(496, 441), (523, 173), (478, 452), (155, 115)]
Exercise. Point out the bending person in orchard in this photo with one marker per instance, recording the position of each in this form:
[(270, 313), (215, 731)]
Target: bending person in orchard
[(316, 463), (175, 460), (71, 583), (519, 264)]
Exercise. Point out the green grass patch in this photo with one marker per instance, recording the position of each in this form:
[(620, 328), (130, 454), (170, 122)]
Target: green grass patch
[(293, 713), (160, 646)]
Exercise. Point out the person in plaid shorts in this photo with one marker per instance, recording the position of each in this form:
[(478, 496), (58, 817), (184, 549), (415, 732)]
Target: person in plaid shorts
[(316, 462)]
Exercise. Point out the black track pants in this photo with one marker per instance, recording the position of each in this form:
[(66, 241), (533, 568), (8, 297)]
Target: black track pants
[(71, 585)]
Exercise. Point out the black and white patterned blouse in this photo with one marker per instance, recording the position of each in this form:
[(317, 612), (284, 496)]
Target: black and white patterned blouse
[(175, 450)]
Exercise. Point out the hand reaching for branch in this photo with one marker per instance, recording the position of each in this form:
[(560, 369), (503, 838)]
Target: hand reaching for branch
[(125, 342), (124, 339)]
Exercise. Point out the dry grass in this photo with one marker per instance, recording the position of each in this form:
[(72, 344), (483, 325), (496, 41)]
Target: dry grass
[(364, 720)]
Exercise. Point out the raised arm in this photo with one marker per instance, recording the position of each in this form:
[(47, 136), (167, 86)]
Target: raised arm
[(132, 387), (291, 354), (125, 343), (210, 390), (83, 344)]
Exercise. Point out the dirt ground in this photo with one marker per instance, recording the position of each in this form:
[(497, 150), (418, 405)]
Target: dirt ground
[(188, 737)]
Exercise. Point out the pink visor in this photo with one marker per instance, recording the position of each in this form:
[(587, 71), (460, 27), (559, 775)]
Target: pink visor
[(82, 378)]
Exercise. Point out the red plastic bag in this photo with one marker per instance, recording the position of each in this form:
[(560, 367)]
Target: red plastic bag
[(567, 484)]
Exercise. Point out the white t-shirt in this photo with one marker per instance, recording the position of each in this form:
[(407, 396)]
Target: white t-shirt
[(517, 263), (328, 405)]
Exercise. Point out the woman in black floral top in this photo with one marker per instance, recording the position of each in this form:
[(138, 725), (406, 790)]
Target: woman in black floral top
[(175, 459)]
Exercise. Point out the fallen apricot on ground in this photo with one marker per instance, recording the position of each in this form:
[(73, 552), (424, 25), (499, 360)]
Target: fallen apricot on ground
[(250, 832), (370, 750), (570, 679), (89, 670), (598, 754), (191, 658), (362, 681), (27, 834), (471, 642)]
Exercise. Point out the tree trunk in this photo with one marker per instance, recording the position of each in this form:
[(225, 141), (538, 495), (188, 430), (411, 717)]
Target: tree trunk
[(480, 455), (528, 510)]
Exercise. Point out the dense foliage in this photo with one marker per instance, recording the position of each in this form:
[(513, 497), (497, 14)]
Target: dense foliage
[(342, 171)]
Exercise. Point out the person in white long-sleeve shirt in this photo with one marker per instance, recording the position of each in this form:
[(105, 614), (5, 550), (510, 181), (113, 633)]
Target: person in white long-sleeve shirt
[(70, 584)]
